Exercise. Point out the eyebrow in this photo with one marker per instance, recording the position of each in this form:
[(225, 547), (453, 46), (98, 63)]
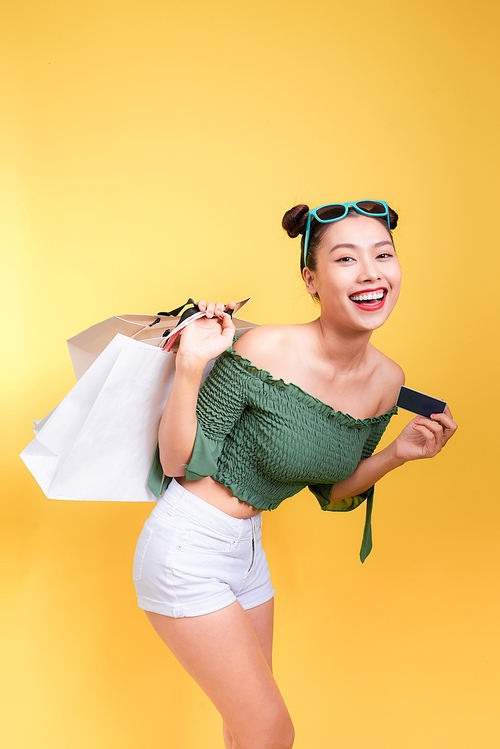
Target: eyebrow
[(349, 246)]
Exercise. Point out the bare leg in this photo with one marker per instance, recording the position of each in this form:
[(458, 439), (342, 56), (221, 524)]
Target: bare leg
[(262, 619), (222, 652)]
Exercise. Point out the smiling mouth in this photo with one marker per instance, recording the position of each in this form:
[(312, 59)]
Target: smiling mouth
[(369, 299)]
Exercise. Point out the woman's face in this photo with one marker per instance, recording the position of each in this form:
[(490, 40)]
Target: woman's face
[(358, 275)]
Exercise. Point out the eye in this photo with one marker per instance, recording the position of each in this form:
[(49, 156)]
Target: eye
[(383, 255), (345, 259)]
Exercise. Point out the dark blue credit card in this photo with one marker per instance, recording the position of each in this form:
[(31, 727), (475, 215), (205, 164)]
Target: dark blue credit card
[(419, 403)]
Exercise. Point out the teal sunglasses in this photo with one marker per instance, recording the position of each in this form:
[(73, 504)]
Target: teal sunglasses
[(327, 214)]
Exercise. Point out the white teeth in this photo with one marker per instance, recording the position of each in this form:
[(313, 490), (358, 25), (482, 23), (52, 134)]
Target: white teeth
[(367, 297)]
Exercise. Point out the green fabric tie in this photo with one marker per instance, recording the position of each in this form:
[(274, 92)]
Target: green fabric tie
[(366, 543)]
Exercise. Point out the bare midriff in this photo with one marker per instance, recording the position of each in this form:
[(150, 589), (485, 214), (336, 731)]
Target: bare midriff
[(219, 496)]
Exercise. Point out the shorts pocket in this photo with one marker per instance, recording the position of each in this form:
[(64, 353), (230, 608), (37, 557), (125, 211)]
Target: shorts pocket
[(206, 541), (140, 551)]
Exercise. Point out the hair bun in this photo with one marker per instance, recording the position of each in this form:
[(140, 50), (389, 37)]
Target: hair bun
[(295, 220), (393, 218)]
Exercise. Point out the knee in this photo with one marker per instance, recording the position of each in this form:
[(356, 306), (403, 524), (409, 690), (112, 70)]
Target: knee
[(281, 736), (287, 738), (277, 735)]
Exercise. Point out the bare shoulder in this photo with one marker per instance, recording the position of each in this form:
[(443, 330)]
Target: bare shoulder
[(390, 377), (390, 369), (265, 344)]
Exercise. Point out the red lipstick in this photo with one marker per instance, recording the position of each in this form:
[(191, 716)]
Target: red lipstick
[(370, 306)]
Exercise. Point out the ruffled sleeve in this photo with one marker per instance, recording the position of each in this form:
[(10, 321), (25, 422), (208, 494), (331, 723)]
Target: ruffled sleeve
[(221, 401), (322, 491)]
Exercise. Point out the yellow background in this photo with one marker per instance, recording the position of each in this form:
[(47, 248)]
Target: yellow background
[(149, 150)]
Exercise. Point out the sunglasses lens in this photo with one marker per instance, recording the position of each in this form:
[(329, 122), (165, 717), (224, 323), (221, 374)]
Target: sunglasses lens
[(331, 212), (373, 207)]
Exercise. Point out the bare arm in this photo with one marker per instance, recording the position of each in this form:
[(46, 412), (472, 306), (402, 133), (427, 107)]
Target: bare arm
[(178, 423), (201, 341), (421, 438)]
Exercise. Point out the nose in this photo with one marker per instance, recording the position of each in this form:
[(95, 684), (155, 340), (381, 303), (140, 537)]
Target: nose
[(368, 271)]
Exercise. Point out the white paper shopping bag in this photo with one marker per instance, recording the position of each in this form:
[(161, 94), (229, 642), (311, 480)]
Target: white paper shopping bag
[(86, 346), (99, 442)]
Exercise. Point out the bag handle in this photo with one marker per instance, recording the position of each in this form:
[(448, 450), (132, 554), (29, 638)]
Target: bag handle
[(176, 312), (187, 313)]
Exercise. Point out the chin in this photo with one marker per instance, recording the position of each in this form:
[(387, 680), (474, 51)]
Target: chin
[(373, 321)]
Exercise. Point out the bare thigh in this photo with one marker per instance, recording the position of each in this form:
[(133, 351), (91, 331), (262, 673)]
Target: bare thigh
[(262, 620), (228, 653)]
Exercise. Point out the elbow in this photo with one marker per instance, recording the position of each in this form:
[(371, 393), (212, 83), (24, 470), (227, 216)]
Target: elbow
[(171, 467), (336, 493), (338, 498), (172, 472)]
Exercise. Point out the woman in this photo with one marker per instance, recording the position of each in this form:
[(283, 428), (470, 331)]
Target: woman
[(288, 407)]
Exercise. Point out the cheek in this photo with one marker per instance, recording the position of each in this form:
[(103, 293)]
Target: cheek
[(333, 287), (396, 284), (396, 277)]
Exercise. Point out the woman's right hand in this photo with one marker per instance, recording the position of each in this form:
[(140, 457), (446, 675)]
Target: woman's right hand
[(424, 438), (206, 338)]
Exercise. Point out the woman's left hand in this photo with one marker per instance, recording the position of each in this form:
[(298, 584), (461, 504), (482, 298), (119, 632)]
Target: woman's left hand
[(425, 438)]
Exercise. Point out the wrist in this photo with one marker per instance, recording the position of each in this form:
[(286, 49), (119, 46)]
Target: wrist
[(396, 458), (189, 365)]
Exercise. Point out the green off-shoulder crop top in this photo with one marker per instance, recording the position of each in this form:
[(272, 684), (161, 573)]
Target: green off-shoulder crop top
[(267, 440)]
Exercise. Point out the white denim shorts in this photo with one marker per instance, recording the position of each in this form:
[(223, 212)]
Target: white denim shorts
[(192, 558)]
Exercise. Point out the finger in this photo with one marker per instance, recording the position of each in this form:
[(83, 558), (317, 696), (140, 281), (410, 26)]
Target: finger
[(428, 435), (202, 305), (209, 310), (437, 429), (448, 412), (227, 322), (449, 426), (228, 326), (424, 431), (230, 305), (219, 309), (431, 424), (444, 419)]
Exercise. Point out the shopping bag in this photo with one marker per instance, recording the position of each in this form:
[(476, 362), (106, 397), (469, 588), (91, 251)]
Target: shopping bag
[(154, 330), (99, 442)]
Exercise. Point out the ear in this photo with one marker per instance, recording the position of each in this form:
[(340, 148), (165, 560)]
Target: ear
[(310, 281)]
